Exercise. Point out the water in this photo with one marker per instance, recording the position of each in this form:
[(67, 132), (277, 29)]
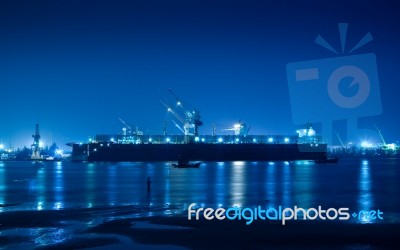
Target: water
[(354, 183)]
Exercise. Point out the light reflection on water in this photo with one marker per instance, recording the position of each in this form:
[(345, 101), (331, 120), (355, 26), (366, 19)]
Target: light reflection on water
[(237, 183), (58, 186), (2, 185), (365, 200), (355, 184), (40, 188)]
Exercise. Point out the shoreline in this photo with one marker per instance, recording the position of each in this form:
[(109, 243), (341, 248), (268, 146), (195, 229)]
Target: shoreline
[(180, 233)]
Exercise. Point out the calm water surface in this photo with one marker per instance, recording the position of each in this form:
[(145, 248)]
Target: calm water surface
[(353, 183)]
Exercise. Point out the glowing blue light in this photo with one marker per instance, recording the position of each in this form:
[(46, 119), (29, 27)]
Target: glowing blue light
[(1, 146), (150, 140), (168, 139), (237, 139), (270, 140), (196, 139), (220, 139), (366, 144), (203, 140), (112, 139), (254, 140), (286, 140)]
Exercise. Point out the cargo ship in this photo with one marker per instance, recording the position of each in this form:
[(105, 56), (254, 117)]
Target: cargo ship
[(133, 146), (120, 148)]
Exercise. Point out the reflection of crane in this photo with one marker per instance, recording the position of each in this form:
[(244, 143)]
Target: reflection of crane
[(36, 144)]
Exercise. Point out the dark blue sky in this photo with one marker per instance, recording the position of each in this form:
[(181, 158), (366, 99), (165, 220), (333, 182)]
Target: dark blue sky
[(74, 67)]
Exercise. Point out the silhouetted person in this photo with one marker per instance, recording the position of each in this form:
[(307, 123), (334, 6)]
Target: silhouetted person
[(148, 183)]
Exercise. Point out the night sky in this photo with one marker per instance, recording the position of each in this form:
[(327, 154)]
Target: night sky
[(74, 67)]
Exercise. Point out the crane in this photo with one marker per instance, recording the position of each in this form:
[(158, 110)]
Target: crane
[(381, 136), (169, 109), (125, 124), (239, 128), (190, 120), (340, 140), (36, 144), (179, 127), (128, 127)]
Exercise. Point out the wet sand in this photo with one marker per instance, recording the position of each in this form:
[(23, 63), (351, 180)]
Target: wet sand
[(176, 232)]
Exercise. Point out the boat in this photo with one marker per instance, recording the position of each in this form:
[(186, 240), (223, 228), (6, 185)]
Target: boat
[(186, 164), (327, 160), (208, 148), (133, 145)]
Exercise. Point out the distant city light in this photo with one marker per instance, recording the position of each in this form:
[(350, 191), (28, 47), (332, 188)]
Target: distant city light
[(237, 140), (41, 144), (236, 125), (286, 140), (150, 140), (168, 139), (59, 152), (203, 140), (112, 139), (1, 146), (254, 140), (270, 139), (196, 139), (366, 144), (220, 139)]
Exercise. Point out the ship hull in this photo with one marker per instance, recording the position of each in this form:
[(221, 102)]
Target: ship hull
[(110, 152)]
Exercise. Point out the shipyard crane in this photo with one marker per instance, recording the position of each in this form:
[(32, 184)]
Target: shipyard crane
[(130, 130), (36, 144), (179, 127), (381, 136), (178, 101), (239, 128), (125, 124), (185, 129), (191, 119), (169, 109), (340, 140)]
